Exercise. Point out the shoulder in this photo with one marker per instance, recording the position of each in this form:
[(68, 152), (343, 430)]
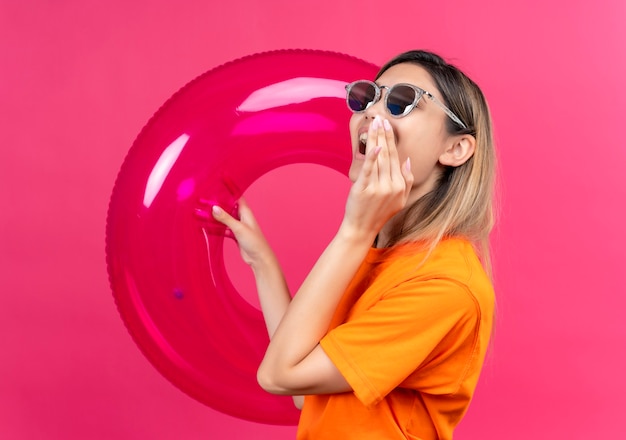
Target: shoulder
[(452, 268), (453, 258)]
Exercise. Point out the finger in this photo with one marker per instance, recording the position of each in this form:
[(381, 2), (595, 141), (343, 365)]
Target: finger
[(384, 127), (394, 159), (369, 170), (223, 217), (246, 215), (243, 203), (372, 150), (205, 205), (383, 158), (378, 148), (244, 210), (407, 174), (372, 138)]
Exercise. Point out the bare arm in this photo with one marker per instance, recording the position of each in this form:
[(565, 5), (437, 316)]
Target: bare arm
[(272, 288), (294, 362)]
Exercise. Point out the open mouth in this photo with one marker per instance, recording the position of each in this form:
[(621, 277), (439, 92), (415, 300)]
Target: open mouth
[(362, 142)]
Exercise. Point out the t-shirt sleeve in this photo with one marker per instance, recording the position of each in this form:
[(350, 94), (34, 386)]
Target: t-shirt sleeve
[(413, 326)]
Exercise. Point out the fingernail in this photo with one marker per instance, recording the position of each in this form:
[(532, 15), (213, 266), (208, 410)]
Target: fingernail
[(387, 125), (408, 164), (376, 123), (216, 210)]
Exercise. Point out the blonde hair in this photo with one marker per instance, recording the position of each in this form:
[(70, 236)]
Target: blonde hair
[(462, 202)]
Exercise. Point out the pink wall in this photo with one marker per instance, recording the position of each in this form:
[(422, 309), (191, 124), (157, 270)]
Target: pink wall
[(78, 80)]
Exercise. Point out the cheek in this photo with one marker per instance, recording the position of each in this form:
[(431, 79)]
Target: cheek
[(422, 147), (355, 120)]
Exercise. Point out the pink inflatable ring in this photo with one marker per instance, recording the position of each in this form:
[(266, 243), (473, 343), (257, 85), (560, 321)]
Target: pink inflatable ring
[(207, 144)]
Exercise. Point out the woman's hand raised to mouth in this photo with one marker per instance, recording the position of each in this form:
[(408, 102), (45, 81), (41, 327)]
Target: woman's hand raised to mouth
[(383, 185)]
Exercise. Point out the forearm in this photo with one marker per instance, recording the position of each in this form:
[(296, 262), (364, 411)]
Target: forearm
[(274, 298), (273, 292), (308, 316), (294, 362)]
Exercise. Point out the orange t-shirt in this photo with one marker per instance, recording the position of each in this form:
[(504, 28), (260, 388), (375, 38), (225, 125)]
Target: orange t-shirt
[(410, 340)]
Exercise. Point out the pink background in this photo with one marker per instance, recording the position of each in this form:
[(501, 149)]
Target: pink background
[(78, 80)]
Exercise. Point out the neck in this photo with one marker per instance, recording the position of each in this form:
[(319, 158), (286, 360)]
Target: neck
[(395, 223), (389, 230)]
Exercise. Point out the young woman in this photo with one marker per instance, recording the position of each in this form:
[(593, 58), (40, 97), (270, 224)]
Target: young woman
[(387, 335)]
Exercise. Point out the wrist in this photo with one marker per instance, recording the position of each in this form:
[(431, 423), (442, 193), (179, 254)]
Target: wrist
[(265, 263), (355, 237)]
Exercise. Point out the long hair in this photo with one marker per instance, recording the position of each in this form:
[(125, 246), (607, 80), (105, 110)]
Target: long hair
[(462, 202)]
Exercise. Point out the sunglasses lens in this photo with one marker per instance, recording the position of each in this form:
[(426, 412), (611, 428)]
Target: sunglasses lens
[(400, 100), (361, 94)]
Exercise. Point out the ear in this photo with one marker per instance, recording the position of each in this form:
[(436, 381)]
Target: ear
[(459, 151)]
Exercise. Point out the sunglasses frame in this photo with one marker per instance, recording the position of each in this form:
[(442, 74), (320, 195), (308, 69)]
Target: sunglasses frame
[(419, 92)]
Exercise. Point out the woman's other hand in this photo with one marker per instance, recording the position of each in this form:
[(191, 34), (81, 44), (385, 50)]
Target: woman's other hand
[(253, 246)]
